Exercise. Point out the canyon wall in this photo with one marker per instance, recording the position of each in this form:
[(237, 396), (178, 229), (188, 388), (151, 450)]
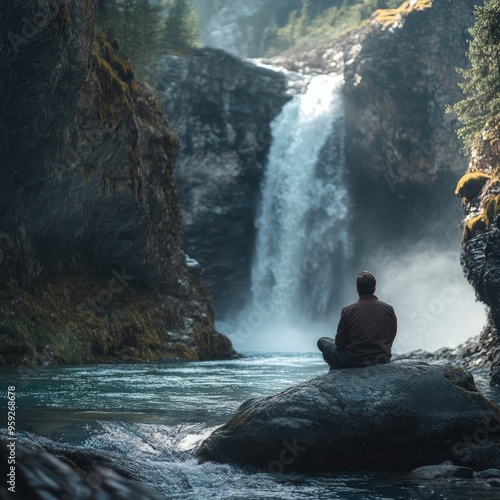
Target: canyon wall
[(90, 223)]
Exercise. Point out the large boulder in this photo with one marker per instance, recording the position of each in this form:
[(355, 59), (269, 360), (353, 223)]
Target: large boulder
[(387, 417)]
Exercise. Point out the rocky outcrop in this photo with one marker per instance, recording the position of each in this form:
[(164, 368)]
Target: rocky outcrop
[(401, 147), (394, 417), (38, 474), (90, 223), (481, 236), (221, 108)]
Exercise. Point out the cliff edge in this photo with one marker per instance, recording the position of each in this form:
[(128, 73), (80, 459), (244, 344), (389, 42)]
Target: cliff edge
[(90, 224)]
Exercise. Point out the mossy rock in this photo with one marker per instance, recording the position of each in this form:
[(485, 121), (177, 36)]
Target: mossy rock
[(389, 17), (471, 184), (492, 208), (474, 226), (116, 77)]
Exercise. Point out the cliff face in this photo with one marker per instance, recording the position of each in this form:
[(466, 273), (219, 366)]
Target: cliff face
[(90, 223), (222, 108), (479, 189), (401, 146)]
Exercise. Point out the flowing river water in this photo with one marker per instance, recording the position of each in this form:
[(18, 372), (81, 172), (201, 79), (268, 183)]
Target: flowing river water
[(152, 416)]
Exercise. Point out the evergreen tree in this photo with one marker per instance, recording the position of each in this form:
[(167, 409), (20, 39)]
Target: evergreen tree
[(137, 26), (181, 26), (482, 79)]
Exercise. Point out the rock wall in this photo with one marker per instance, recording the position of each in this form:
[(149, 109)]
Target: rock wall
[(479, 190), (402, 150), (90, 223), (221, 107)]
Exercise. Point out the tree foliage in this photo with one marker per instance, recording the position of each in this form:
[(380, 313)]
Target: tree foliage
[(146, 28), (316, 21), (181, 26), (482, 79)]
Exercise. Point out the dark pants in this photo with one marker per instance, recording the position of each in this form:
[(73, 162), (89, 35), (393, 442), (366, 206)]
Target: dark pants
[(333, 355)]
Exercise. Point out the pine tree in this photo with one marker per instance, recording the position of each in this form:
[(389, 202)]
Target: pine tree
[(181, 26), (482, 79), (137, 25)]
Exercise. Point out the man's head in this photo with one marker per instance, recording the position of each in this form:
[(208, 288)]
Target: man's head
[(365, 283)]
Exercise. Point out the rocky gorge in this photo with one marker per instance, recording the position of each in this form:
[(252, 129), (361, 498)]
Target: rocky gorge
[(402, 162), (90, 224)]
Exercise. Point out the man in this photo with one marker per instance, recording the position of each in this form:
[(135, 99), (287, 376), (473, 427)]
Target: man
[(366, 330)]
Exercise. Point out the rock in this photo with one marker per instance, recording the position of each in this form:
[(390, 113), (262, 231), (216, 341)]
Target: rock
[(488, 474), (493, 482), (221, 108), (442, 472), (39, 474), (388, 417), (402, 150), (90, 220)]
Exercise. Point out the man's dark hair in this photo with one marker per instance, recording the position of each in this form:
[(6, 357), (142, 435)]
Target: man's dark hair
[(365, 283)]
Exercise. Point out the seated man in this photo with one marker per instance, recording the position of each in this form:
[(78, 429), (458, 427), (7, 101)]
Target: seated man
[(366, 330)]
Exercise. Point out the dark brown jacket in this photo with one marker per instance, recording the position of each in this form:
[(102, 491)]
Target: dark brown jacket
[(366, 331)]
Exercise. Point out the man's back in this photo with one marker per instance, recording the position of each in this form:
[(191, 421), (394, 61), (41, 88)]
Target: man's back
[(366, 331)]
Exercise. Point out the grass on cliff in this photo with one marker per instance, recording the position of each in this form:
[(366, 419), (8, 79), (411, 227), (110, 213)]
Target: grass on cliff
[(116, 77)]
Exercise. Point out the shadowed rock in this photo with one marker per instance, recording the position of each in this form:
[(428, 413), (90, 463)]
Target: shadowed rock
[(392, 417), (39, 474)]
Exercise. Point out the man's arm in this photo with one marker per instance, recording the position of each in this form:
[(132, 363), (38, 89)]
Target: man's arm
[(341, 337), (394, 328)]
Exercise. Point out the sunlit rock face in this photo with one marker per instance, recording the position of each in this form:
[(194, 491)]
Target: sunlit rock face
[(402, 150), (221, 108), (89, 212)]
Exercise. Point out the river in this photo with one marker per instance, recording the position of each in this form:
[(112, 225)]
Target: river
[(153, 415)]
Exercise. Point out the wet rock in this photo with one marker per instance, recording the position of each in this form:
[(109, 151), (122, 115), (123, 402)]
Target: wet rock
[(488, 474), (394, 417), (442, 471), (495, 482), (39, 474)]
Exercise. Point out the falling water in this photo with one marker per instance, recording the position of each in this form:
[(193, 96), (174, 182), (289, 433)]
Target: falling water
[(302, 226)]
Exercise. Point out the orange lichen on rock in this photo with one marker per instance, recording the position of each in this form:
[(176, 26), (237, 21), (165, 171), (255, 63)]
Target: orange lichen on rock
[(391, 17)]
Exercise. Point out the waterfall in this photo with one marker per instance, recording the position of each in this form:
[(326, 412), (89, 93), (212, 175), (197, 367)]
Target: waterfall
[(302, 227)]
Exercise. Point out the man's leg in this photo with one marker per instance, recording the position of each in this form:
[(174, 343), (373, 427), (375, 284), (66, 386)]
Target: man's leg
[(333, 355)]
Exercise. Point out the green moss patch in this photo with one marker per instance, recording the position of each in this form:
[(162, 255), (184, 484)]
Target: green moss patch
[(116, 77), (81, 319), (471, 184), (474, 226)]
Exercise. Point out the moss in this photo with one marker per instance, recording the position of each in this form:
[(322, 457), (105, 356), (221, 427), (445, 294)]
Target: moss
[(63, 321), (492, 208), (64, 21), (388, 17), (471, 184), (116, 78), (474, 226)]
